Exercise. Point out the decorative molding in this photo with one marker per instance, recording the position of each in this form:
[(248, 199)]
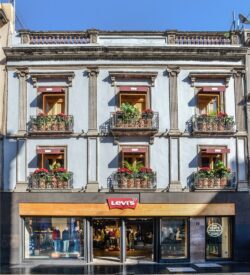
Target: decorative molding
[(92, 71), (68, 76), (173, 71), (22, 72), (3, 18), (151, 76), (238, 72), (210, 74)]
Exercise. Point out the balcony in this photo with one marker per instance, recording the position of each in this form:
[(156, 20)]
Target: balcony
[(47, 124), (220, 124), (145, 123), (125, 180), (42, 180), (213, 182)]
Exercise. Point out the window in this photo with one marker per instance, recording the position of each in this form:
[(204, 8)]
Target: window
[(209, 103), (135, 155), (52, 100), (53, 104), (210, 155), (173, 238), (218, 237), (139, 99), (51, 157), (53, 237)]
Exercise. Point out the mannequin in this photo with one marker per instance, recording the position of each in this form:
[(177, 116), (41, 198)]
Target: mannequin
[(56, 235), (65, 238)]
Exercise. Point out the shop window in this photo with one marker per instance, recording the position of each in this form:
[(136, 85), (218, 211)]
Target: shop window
[(53, 104), (173, 238), (51, 157), (218, 237), (53, 237), (138, 99), (135, 156), (208, 103)]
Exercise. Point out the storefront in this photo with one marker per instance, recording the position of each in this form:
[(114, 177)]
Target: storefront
[(123, 229)]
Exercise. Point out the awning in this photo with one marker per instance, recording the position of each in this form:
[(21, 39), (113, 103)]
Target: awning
[(50, 89), (133, 88), (134, 150), (211, 89), (50, 150), (212, 150)]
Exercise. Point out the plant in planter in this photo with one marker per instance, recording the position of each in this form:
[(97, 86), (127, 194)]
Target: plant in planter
[(63, 177), (130, 114), (41, 177), (203, 176), (202, 122), (147, 116), (229, 122), (61, 120), (41, 121), (134, 168), (123, 175), (146, 175), (221, 172)]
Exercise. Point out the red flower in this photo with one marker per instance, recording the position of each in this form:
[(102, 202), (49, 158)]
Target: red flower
[(124, 170), (205, 169), (41, 170), (222, 114), (146, 170), (148, 111), (61, 114), (60, 170)]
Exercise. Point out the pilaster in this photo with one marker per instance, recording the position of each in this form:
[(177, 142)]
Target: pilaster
[(173, 98), (22, 108), (239, 100)]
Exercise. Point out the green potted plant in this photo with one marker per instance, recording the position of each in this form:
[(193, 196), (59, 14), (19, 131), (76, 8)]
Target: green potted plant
[(63, 177), (203, 176), (41, 121), (61, 118), (146, 175), (130, 114), (122, 177), (134, 168), (41, 177), (221, 172)]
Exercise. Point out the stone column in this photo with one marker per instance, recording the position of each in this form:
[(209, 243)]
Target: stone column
[(174, 133), (239, 100), (173, 98), (93, 73), (22, 108), (92, 144)]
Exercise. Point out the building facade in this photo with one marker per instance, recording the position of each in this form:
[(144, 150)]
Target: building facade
[(126, 146)]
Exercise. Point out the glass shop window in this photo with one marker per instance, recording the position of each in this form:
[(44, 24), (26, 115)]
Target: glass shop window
[(218, 238), (53, 237), (173, 238)]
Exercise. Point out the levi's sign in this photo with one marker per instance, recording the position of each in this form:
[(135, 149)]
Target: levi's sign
[(122, 203)]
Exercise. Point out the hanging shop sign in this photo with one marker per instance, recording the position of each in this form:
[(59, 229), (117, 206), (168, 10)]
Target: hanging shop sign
[(122, 203), (214, 230)]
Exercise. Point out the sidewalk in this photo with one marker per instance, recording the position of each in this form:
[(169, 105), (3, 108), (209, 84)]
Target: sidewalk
[(130, 269)]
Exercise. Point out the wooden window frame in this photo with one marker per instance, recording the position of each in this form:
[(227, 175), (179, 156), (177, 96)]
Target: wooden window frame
[(40, 157), (224, 155), (121, 157), (220, 93), (40, 98)]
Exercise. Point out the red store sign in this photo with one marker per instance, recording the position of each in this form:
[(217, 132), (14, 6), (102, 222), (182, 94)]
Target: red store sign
[(122, 203)]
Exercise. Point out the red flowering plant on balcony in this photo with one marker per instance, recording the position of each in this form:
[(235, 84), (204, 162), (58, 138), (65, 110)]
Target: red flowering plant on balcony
[(146, 173), (61, 174), (147, 113), (41, 173), (205, 172), (124, 171)]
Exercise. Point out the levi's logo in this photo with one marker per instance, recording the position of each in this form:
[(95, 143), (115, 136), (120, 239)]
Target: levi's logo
[(122, 203)]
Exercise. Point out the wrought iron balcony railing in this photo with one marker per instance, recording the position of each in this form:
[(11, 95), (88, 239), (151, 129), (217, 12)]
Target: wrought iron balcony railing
[(50, 182), (51, 124), (213, 124), (227, 183), (147, 123), (135, 181)]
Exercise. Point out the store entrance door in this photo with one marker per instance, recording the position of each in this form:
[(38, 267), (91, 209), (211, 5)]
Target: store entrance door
[(106, 239), (139, 239)]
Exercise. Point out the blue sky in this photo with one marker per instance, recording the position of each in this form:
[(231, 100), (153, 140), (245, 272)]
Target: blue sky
[(130, 14)]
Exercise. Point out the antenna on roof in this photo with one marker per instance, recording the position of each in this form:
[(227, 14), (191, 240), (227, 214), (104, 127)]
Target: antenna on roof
[(233, 25)]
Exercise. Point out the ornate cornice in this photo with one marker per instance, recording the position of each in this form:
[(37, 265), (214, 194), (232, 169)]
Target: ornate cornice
[(210, 74), (114, 75), (68, 76), (94, 52)]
